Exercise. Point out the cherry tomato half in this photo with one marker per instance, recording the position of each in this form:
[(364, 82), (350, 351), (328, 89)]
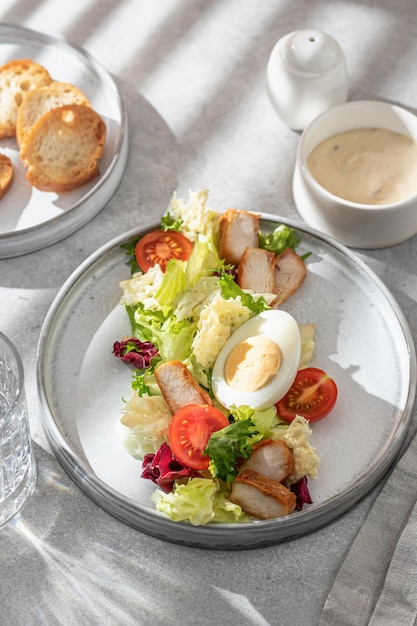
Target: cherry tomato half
[(159, 247), (312, 395), (189, 431)]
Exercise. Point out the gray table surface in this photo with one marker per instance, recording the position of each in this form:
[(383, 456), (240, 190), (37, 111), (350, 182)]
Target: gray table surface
[(192, 75)]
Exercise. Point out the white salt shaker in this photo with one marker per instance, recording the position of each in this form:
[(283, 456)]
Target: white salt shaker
[(306, 74)]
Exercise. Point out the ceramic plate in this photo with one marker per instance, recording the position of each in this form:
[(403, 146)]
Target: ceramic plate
[(32, 219), (362, 341)]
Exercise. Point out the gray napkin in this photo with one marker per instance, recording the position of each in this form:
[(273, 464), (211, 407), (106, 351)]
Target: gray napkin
[(377, 583)]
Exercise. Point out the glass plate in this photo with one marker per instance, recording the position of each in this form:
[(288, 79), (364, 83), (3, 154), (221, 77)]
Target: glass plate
[(362, 341), (32, 219)]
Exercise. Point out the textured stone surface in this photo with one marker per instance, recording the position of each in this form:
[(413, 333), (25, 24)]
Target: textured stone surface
[(192, 75)]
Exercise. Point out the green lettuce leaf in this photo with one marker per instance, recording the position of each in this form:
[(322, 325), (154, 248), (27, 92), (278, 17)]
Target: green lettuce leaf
[(281, 238), (230, 289), (169, 223), (228, 445), (172, 338), (144, 383), (129, 248), (172, 284), (199, 501), (190, 302), (266, 421), (203, 261)]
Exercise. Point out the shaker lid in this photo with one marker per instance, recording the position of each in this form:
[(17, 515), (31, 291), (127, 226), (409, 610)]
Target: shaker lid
[(306, 74), (310, 51)]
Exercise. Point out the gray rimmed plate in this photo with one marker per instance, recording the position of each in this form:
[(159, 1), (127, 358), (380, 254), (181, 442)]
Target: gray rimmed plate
[(32, 219), (362, 341)]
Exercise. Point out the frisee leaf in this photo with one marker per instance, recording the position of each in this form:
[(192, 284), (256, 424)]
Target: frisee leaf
[(228, 445), (138, 383), (168, 223), (230, 289), (281, 238), (129, 247)]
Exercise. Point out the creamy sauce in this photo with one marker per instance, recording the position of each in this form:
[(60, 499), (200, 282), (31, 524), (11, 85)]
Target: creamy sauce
[(366, 166)]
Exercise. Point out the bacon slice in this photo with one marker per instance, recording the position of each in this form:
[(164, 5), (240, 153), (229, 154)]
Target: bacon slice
[(290, 272), (261, 497), (257, 270), (272, 459), (237, 230), (178, 386)]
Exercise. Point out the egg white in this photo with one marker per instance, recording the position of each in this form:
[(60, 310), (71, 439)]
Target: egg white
[(278, 326)]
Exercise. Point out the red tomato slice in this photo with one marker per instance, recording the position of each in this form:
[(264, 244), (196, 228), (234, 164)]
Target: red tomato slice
[(312, 395), (189, 431), (159, 247)]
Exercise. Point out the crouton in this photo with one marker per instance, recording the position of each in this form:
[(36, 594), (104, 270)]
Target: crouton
[(43, 99), (6, 174), (17, 79), (62, 148)]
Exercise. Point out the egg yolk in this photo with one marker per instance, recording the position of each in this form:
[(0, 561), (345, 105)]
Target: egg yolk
[(252, 363)]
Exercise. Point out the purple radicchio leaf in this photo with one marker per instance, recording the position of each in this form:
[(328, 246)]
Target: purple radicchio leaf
[(163, 468), (300, 489), (135, 352)]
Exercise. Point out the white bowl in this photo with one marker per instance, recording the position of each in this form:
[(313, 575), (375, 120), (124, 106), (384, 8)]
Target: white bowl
[(354, 225)]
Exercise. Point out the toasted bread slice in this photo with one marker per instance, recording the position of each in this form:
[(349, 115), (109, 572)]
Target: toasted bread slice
[(62, 148), (6, 174), (41, 100), (17, 78)]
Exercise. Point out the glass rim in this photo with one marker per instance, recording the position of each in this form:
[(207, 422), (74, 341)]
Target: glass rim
[(20, 386)]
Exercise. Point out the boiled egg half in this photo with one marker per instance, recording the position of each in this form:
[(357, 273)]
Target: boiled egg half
[(258, 363)]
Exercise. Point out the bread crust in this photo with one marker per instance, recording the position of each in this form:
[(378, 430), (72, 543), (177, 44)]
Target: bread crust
[(6, 174), (60, 136), (62, 148)]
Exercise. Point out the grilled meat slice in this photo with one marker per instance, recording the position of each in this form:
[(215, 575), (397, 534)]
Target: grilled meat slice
[(272, 459), (290, 272), (261, 497), (237, 230), (178, 386), (257, 270)]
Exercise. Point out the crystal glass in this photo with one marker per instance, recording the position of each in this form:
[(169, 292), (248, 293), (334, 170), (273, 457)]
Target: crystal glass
[(17, 462)]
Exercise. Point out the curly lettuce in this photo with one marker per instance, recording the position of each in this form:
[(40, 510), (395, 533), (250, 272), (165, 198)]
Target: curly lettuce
[(199, 501), (279, 239), (172, 338)]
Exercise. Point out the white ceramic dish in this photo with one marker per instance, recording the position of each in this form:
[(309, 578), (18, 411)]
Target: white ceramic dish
[(31, 219), (363, 342), (352, 224)]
